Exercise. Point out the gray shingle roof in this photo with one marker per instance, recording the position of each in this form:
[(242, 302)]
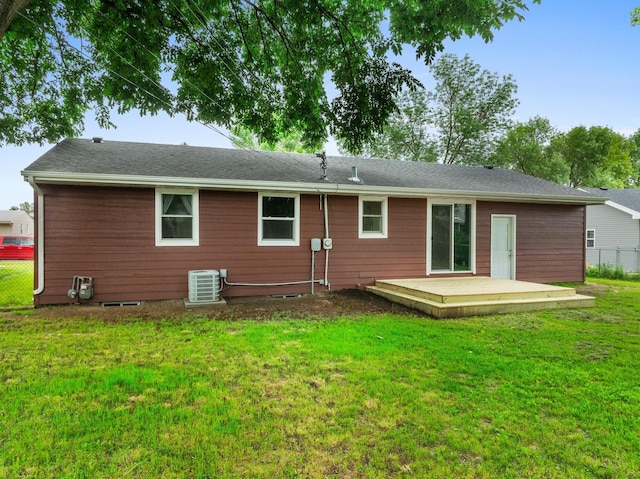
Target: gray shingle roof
[(625, 197), (85, 158)]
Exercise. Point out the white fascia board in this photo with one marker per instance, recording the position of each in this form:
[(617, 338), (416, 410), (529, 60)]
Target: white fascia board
[(635, 215), (310, 188)]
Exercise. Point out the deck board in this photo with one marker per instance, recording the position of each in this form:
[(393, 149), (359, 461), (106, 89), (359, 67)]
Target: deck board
[(453, 297)]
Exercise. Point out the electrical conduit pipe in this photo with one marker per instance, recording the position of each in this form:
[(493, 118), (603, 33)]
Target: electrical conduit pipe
[(326, 251)]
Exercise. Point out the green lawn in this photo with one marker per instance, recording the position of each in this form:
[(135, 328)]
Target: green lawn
[(16, 283), (553, 394)]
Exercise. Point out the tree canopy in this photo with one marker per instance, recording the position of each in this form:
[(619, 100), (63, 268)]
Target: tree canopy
[(271, 66), (457, 122), (596, 156), (26, 207), (472, 108), (406, 135), (525, 148), (634, 154), (291, 142)]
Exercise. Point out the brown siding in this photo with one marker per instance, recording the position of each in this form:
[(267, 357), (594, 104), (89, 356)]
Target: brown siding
[(109, 234), (357, 262), (549, 240)]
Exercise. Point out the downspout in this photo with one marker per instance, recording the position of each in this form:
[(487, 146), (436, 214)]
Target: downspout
[(326, 251), (40, 240)]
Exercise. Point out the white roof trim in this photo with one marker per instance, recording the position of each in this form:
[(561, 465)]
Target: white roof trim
[(313, 188), (635, 215)]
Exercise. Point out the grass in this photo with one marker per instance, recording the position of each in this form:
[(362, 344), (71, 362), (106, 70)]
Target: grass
[(16, 283), (550, 394), (607, 271)]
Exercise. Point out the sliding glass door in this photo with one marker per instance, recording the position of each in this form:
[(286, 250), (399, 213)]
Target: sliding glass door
[(451, 237)]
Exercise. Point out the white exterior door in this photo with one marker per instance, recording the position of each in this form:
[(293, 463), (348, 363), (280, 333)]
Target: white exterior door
[(503, 246)]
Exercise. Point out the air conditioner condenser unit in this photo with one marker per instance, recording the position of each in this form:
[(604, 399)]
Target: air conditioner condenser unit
[(204, 286)]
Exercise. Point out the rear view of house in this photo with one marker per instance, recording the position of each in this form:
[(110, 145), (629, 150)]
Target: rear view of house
[(135, 222)]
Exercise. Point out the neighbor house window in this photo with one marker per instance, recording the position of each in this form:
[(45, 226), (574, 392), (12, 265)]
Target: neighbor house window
[(278, 220), (372, 212), (452, 237), (591, 238), (177, 218)]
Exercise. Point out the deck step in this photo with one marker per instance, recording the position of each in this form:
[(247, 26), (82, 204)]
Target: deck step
[(433, 297), (474, 289)]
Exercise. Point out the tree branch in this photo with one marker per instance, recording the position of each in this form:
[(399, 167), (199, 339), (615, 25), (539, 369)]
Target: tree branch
[(8, 11), (242, 34), (285, 40)]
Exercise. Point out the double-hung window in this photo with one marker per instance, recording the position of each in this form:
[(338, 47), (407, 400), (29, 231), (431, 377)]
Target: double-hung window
[(372, 212), (591, 238), (278, 220), (177, 219)]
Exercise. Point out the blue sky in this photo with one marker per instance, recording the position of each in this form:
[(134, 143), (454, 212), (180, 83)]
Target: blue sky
[(576, 62)]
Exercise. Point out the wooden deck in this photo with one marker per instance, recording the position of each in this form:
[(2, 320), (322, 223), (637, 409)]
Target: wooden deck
[(455, 297)]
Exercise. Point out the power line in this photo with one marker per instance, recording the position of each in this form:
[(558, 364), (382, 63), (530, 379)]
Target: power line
[(292, 156), (230, 56), (172, 107)]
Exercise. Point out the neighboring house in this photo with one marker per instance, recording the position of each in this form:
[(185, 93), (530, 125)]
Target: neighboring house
[(15, 222), (613, 229), (136, 218)]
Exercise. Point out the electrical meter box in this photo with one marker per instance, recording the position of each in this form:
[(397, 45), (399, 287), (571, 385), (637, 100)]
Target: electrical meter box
[(315, 244)]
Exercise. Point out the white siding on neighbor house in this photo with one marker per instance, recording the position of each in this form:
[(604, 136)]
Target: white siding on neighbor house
[(614, 229), (15, 222)]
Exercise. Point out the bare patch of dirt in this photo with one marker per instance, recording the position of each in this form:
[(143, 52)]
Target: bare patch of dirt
[(592, 289), (328, 304)]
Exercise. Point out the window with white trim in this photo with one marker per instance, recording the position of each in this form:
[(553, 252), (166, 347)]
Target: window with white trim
[(177, 218), (278, 220), (591, 238), (373, 220)]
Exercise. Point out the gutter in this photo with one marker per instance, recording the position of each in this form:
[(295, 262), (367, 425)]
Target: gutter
[(312, 188), (40, 240)]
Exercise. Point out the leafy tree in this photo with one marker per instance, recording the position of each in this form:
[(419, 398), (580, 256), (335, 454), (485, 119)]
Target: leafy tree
[(457, 122), (246, 62), (291, 142), (635, 16), (525, 148), (596, 156), (471, 108), (634, 154), (26, 207), (406, 135)]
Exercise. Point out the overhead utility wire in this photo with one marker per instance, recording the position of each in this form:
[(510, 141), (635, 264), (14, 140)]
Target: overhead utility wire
[(171, 106), (118, 74), (161, 100), (237, 63), (249, 150), (157, 57)]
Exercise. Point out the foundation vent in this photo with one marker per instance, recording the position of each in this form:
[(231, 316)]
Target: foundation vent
[(204, 286)]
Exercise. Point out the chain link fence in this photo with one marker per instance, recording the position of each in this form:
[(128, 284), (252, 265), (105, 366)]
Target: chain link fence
[(626, 258), (16, 284)]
